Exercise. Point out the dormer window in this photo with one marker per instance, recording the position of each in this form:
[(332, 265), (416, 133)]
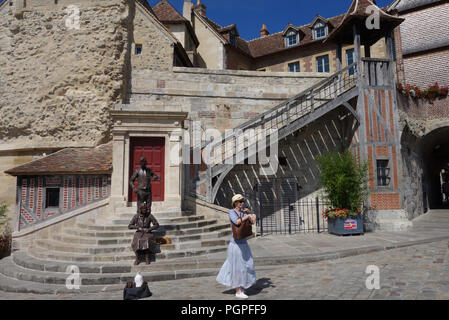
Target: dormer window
[(319, 26), (320, 32), (232, 39), (291, 39)]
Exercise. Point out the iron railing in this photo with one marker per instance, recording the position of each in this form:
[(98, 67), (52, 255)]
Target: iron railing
[(301, 216), (284, 114)]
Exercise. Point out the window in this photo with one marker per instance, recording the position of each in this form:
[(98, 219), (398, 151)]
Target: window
[(232, 38), (320, 32), (383, 173), (138, 49), (322, 64), (293, 67), (52, 197), (350, 60), (292, 39)]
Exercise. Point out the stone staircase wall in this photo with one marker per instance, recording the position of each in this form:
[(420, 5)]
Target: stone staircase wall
[(222, 99)]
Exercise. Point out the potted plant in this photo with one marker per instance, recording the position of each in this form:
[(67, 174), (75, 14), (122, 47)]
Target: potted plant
[(345, 183)]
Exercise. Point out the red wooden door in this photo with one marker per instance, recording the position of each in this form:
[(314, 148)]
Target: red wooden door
[(153, 149)]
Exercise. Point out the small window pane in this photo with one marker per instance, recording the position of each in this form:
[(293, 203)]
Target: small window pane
[(52, 197), (138, 49), (292, 40), (293, 67), (322, 64), (320, 32), (350, 60), (383, 173), (232, 39)]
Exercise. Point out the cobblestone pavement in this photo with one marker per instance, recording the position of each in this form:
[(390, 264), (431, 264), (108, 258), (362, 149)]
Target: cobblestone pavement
[(416, 272)]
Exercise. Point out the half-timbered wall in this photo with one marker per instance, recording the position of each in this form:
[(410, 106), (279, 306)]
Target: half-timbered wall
[(74, 192)]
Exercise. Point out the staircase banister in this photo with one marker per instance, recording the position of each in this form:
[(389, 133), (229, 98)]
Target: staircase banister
[(375, 60), (311, 89)]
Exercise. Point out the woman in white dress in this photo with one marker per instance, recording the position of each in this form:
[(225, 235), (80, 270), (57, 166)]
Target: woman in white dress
[(238, 270)]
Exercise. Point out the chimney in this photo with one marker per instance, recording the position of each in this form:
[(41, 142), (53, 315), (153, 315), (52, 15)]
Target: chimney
[(200, 8), (187, 10), (264, 31)]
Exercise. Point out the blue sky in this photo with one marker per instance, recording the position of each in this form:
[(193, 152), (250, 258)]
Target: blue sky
[(249, 15)]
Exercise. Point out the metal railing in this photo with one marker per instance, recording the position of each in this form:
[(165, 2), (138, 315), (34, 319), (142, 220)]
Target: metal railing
[(302, 216), (284, 114), (376, 72)]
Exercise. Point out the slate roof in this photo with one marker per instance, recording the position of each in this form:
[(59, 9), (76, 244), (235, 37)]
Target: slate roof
[(70, 161), (403, 5)]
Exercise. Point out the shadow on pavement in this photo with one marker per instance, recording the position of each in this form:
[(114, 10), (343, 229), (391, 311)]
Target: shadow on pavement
[(255, 289)]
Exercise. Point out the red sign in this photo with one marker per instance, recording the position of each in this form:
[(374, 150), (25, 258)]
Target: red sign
[(350, 224)]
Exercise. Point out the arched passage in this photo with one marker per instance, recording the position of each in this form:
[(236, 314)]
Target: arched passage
[(434, 149)]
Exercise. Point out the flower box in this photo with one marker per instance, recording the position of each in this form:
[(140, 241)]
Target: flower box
[(348, 226)]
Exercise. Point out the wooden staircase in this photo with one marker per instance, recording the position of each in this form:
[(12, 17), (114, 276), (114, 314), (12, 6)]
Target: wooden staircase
[(280, 121)]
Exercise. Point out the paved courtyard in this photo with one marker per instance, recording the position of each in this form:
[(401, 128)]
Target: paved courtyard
[(415, 272)]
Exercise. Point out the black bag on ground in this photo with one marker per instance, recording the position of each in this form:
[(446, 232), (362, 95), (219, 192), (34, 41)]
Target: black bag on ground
[(132, 293)]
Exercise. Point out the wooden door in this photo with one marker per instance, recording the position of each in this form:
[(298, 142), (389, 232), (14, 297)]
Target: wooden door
[(153, 149)]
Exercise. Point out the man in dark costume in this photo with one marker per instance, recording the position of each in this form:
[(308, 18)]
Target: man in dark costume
[(143, 239), (143, 176)]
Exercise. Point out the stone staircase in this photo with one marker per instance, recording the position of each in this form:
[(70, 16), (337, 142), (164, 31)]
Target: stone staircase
[(101, 249)]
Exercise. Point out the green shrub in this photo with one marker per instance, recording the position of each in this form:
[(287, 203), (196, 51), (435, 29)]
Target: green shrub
[(344, 179), (5, 237), (3, 217)]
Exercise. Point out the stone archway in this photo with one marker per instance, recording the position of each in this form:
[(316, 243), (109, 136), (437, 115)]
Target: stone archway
[(424, 157), (435, 156)]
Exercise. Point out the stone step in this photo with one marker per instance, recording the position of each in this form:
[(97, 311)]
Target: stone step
[(162, 221), (162, 227), (8, 284), (14, 278), (99, 234), (93, 240), (96, 241), (159, 233), (59, 246), (25, 260), (42, 253), (131, 211)]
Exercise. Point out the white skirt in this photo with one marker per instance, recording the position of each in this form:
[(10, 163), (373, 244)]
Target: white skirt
[(238, 269)]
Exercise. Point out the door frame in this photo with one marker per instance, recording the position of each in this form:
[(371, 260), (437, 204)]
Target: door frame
[(132, 143)]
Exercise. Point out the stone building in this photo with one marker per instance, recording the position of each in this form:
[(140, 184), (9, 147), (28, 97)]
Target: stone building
[(423, 60), (115, 80)]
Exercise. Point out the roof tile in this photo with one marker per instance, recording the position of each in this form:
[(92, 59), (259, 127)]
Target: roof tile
[(70, 161)]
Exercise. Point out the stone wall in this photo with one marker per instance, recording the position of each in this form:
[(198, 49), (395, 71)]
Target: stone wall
[(220, 99), (157, 43), (412, 167), (59, 81)]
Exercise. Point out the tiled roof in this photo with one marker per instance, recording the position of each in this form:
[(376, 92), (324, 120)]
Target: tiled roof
[(403, 5), (2, 2), (272, 43), (70, 161), (275, 42), (358, 11), (165, 12)]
